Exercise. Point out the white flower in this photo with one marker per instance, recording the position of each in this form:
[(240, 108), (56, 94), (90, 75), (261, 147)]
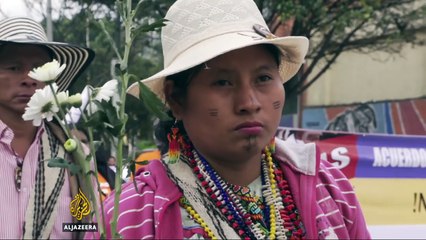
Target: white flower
[(62, 97), (41, 105), (88, 96), (106, 91), (73, 115), (75, 100), (48, 72)]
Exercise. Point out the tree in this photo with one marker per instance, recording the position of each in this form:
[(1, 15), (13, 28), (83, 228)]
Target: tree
[(337, 26)]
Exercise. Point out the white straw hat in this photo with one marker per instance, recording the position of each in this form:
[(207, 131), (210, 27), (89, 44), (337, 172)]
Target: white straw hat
[(26, 31), (199, 30)]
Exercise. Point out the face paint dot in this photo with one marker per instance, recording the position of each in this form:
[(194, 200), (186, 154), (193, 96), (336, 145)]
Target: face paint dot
[(276, 104), (213, 112)]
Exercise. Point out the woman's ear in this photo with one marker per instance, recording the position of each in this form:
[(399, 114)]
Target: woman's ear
[(174, 104)]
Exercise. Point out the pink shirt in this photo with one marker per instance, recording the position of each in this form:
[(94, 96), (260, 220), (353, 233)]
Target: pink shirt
[(326, 200), (13, 204)]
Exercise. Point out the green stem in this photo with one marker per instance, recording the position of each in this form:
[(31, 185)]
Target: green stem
[(93, 151), (128, 19), (88, 186), (110, 39), (79, 155), (64, 126), (81, 158)]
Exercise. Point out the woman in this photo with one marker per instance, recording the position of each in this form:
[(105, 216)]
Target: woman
[(225, 175)]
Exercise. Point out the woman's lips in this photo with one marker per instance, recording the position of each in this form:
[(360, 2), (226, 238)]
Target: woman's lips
[(249, 128)]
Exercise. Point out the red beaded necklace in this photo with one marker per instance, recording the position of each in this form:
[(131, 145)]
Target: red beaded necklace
[(290, 214)]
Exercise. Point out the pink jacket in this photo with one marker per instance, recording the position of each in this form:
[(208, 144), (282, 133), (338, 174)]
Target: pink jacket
[(323, 195)]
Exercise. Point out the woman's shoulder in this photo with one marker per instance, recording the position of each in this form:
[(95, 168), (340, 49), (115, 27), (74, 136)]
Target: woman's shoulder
[(150, 181), (305, 158), (141, 201), (152, 171), (300, 156)]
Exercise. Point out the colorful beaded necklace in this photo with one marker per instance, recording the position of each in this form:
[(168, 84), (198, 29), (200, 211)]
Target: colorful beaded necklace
[(276, 217)]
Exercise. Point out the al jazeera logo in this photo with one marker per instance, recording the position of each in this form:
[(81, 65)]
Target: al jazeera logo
[(79, 208)]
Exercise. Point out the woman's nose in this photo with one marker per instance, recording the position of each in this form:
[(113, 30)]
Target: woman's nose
[(247, 100)]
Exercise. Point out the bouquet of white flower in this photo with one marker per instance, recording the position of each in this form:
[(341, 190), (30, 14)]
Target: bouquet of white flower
[(85, 108), (48, 103)]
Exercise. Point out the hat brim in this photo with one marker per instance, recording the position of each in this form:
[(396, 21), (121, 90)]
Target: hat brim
[(76, 58), (293, 51)]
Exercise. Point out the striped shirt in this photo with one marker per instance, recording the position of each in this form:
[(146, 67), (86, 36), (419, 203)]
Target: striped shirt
[(13, 204)]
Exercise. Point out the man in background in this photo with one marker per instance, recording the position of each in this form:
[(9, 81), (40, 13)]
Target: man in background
[(35, 198)]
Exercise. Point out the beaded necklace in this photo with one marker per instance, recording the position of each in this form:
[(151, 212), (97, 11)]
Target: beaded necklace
[(290, 214), (254, 205), (187, 206), (279, 219)]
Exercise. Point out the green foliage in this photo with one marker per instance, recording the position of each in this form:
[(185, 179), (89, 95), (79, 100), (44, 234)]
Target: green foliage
[(152, 102), (139, 123), (346, 25), (61, 163)]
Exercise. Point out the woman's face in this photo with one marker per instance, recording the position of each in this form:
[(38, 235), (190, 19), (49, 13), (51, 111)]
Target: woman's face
[(234, 105)]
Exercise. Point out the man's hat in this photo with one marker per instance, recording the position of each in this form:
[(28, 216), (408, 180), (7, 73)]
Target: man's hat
[(200, 30), (26, 31)]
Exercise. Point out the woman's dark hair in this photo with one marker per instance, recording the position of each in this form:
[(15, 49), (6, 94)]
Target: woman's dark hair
[(275, 51), (102, 154), (181, 82), (179, 93)]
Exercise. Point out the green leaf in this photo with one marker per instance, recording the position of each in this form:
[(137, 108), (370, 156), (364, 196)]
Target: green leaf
[(151, 27), (74, 168), (144, 162), (61, 163), (111, 113), (95, 120), (127, 161), (132, 167), (57, 162), (152, 102), (133, 77)]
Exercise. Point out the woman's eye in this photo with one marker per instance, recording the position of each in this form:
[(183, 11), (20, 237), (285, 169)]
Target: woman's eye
[(222, 83), (264, 78)]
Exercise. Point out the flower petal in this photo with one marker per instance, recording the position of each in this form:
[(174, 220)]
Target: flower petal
[(48, 72)]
